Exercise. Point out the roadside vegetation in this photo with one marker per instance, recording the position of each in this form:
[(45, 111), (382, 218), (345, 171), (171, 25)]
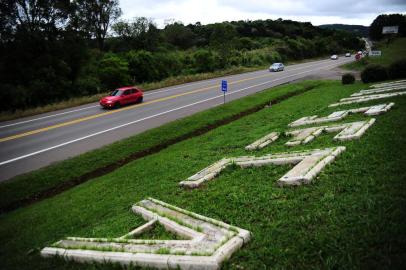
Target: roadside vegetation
[(395, 50), (50, 53), (76, 101), (393, 47), (352, 216)]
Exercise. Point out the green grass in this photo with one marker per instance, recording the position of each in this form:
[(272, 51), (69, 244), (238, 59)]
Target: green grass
[(352, 216), (32, 184), (158, 232), (390, 53)]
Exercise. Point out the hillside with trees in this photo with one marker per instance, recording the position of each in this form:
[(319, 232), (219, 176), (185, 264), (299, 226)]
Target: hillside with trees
[(375, 30), (56, 50)]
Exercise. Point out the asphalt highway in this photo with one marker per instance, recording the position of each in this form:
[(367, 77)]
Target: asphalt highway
[(30, 143)]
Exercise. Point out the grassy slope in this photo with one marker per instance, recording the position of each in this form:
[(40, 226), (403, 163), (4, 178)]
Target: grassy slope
[(353, 216), (394, 51), (35, 182)]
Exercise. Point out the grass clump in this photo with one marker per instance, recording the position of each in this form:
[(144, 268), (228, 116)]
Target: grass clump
[(374, 73), (397, 70)]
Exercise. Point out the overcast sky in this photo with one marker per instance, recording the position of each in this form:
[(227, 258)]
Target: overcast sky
[(209, 11)]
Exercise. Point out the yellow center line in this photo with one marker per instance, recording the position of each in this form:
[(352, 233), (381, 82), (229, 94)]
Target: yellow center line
[(79, 120)]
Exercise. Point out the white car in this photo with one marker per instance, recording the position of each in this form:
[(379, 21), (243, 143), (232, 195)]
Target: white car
[(277, 67), (334, 57), (348, 54)]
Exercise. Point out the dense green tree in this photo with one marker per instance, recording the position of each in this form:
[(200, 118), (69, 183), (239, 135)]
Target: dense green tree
[(375, 30), (179, 35), (138, 33), (204, 60), (142, 66), (94, 17), (113, 72)]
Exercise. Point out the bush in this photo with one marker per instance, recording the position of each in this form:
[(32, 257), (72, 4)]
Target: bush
[(143, 66), (348, 78), (374, 73), (204, 60), (87, 86), (397, 69), (113, 72)]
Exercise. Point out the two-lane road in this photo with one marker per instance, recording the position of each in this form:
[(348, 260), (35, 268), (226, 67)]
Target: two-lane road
[(34, 142)]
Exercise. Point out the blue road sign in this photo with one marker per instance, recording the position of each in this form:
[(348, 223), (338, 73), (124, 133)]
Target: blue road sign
[(224, 85)]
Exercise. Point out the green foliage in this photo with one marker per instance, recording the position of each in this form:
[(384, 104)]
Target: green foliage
[(139, 33), (397, 69), (246, 43), (204, 60), (347, 78), (142, 66), (359, 30), (113, 72), (375, 30), (67, 66), (374, 73), (178, 35)]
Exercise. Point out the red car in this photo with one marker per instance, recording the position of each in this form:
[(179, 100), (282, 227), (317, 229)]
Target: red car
[(122, 96)]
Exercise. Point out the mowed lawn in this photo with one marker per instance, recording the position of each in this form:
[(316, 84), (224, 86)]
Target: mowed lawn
[(352, 216)]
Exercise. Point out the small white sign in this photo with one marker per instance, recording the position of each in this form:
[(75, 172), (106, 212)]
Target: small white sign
[(375, 53), (390, 29)]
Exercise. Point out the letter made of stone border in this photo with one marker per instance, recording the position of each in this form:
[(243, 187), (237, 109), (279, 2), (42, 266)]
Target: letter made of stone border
[(262, 142), (208, 241), (388, 84), (308, 165), (347, 131), (339, 115), (379, 90), (366, 98)]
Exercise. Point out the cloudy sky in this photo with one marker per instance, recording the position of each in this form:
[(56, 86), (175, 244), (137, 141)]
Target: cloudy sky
[(209, 11)]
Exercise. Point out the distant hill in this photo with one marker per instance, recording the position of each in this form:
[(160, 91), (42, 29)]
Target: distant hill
[(359, 30)]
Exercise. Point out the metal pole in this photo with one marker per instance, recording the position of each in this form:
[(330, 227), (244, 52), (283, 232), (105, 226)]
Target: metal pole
[(224, 96)]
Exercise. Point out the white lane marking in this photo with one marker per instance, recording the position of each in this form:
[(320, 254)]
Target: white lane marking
[(151, 116), (230, 76), (150, 93), (48, 116)]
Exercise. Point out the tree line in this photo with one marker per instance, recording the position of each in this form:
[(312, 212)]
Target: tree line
[(59, 49)]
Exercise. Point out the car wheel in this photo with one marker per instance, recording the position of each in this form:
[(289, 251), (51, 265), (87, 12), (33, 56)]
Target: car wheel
[(117, 105), (140, 100)]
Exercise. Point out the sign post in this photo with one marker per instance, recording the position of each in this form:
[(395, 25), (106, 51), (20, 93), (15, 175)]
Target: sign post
[(224, 89), (390, 32)]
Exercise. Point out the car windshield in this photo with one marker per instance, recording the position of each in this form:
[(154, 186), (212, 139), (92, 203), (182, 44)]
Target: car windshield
[(275, 65), (116, 93)]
